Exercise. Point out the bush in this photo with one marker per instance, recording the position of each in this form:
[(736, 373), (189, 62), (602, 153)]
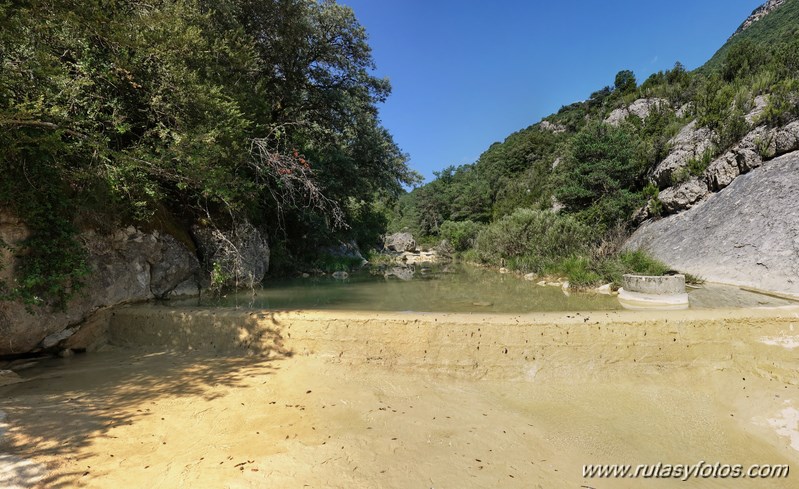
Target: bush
[(578, 270), (610, 211), (639, 262), (695, 167), (783, 104), (461, 235), (652, 194), (743, 59), (531, 240)]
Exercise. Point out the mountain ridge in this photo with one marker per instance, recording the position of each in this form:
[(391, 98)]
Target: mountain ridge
[(758, 14)]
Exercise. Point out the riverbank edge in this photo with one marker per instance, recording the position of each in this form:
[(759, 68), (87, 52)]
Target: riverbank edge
[(481, 346)]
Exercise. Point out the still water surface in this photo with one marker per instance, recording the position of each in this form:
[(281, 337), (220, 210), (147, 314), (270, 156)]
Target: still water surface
[(447, 288)]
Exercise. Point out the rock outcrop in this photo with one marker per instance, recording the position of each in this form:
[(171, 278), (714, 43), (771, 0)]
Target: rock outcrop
[(236, 257), (746, 234), (399, 242), (683, 196), (348, 251), (758, 107), (128, 266), (758, 14), (640, 108), (756, 148), (552, 127), (690, 143)]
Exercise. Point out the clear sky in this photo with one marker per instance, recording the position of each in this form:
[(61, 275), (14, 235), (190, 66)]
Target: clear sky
[(467, 73)]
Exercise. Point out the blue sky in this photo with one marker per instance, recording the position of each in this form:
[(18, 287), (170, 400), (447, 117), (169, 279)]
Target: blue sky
[(468, 73)]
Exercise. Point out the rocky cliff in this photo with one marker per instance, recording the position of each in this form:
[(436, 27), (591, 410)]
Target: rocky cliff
[(758, 14), (129, 265), (745, 234)]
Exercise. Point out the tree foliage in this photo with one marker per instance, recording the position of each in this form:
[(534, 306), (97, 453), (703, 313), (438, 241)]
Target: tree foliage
[(264, 109)]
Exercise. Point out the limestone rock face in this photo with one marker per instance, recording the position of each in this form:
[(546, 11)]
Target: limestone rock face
[(760, 144), (552, 127), (722, 171), (240, 254), (175, 267), (348, 250), (399, 242), (760, 103), (690, 143), (758, 14), (683, 196), (786, 138), (641, 108), (746, 234), (128, 266), (754, 150)]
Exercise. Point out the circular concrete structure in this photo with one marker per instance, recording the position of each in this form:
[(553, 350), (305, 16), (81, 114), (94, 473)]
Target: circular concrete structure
[(651, 292)]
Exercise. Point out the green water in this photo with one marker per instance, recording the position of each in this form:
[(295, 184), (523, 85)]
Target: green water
[(446, 288)]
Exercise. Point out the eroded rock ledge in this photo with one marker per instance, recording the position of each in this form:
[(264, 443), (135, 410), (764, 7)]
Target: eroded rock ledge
[(745, 234), (129, 265)]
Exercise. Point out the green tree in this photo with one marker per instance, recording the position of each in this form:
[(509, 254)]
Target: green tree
[(743, 59), (602, 162), (265, 109), (625, 82)]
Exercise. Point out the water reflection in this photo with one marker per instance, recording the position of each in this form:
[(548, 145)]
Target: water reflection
[(437, 288), (449, 288)]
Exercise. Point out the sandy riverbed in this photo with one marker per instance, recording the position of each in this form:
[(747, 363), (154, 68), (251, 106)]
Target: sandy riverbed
[(134, 418)]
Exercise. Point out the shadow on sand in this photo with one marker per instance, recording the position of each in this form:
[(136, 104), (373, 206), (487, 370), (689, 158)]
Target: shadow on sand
[(66, 403)]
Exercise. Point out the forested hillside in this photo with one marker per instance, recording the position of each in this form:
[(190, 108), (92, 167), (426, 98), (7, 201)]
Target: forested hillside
[(595, 162), (166, 113)]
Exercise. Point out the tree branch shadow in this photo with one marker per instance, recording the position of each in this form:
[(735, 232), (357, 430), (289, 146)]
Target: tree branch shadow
[(65, 404)]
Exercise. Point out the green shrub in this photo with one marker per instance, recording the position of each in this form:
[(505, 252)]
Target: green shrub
[(712, 101), (652, 193), (743, 59), (578, 270), (763, 82), (603, 161), (611, 210), (764, 146), (461, 235), (531, 240), (639, 262), (695, 167), (783, 104)]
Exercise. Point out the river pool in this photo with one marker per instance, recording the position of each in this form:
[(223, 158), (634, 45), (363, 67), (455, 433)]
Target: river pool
[(449, 288)]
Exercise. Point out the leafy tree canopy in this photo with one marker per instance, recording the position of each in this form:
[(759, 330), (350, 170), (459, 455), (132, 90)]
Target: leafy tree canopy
[(263, 109)]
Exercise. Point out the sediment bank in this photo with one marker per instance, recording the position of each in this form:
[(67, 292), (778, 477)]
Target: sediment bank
[(482, 346), (214, 398)]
